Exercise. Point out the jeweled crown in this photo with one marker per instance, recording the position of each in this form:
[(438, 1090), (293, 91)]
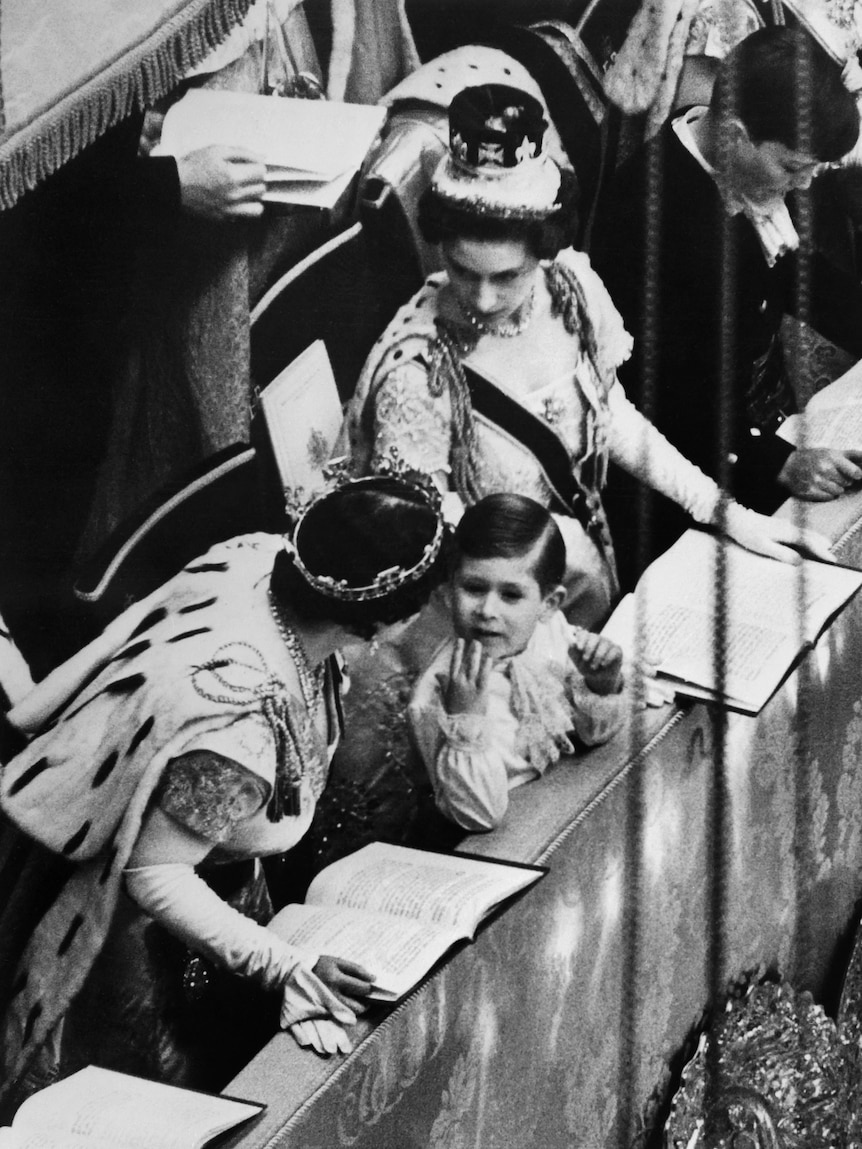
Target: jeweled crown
[(392, 578)]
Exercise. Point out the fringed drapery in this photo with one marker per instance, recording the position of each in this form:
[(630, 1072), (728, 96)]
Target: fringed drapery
[(70, 72)]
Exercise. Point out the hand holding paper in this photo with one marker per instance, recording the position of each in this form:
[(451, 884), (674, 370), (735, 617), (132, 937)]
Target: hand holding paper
[(222, 183), (819, 474)]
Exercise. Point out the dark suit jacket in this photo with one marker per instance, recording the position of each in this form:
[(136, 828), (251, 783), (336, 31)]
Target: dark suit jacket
[(703, 305)]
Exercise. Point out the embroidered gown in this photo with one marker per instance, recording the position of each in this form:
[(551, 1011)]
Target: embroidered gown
[(198, 666), (399, 411)]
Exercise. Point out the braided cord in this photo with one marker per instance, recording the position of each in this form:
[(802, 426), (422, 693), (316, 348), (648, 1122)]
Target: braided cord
[(446, 372)]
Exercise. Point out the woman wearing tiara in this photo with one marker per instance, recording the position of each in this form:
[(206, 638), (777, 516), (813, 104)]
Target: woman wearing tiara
[(500, 374), (197, 730)]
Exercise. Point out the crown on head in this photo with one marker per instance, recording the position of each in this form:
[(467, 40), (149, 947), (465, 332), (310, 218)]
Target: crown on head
[(496, 164), (392, 578)]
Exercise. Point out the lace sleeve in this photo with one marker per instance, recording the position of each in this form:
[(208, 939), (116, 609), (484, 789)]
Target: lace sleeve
[(209, 794), (410, 423), (613, 342)]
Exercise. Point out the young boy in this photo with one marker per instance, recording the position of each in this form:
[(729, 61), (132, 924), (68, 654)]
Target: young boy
[(502, 699)]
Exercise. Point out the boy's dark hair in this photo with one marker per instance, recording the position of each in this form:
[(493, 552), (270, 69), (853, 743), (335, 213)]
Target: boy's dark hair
[(440, 220), (784, 87), (510, 526)]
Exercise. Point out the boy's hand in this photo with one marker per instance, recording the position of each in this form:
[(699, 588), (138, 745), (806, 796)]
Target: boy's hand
[(465, 691), (599, 660)]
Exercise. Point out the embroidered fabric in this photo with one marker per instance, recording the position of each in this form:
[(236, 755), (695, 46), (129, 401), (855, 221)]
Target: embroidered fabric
[(209, 794)]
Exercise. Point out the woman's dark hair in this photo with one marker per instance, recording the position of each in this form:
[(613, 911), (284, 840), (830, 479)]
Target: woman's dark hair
[(353, 534), (784, 87), (440, 220), (510, 526)]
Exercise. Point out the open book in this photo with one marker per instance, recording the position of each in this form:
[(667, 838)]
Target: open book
[(775, 612), (396, 911), (312, 148), (833, 416), (99, 1109), (302, 412)]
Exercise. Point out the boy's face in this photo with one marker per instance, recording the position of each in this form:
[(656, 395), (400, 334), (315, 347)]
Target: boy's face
[(498, 602), (768, 170)]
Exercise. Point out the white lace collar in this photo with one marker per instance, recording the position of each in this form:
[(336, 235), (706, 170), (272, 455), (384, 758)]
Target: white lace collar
[(771, 221)]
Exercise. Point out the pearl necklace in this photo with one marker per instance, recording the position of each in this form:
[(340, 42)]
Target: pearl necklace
[(506, 328), (310, 680)]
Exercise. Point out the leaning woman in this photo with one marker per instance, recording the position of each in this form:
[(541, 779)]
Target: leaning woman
[(500, 374), (197, 730)]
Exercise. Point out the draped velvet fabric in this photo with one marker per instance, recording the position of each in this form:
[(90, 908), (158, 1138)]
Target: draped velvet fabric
[(68, 72)]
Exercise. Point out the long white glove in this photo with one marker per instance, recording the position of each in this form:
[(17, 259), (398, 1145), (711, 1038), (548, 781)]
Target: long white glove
[(323, 1036), (173, 895), (778, 538), (641, 449)]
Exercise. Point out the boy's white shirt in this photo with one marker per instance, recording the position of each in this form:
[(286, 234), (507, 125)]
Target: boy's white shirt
[(473, 760)]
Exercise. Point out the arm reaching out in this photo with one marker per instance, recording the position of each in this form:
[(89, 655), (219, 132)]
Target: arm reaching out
[(222, 183), (161, 880), (640, 448)]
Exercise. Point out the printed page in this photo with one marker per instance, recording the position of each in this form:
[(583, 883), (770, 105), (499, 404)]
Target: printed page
[(308, 139), (397, 951), (103, 1106), (837, 427), (303, 416), (675, 601), (439, 889), (29, 1139), (832, 417), (298, 193)]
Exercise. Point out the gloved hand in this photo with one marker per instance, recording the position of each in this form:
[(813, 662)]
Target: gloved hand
[(778, 538), (173, 895), (324, 1037)]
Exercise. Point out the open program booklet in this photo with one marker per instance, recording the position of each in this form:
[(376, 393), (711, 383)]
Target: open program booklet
[(99, 1109), (396, 911), (832, 417), (312, 148), (766, 629)]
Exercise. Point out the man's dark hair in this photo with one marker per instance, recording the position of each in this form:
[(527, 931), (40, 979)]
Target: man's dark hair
[(784, 87)]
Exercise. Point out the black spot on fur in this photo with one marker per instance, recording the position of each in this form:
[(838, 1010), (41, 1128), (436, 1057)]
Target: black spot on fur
[(120, 686), (142, 732), (29, 775), (105, 769), (132, 651), (190, 633), (69, 937), (152, 618), (77, 838), (202, 568), (197, 605)]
